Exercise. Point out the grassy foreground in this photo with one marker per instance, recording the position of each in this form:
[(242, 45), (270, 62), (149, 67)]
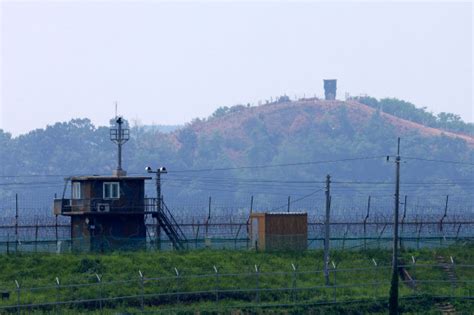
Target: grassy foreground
[(194, 288)]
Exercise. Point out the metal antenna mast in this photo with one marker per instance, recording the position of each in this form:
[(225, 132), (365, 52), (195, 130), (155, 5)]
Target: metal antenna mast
[(119, 136)]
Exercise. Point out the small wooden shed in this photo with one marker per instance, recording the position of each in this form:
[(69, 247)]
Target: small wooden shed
[(279, 230)]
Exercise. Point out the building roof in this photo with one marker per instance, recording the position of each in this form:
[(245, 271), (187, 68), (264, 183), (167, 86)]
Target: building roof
[(111, 178), (285, 213), (277, 213)]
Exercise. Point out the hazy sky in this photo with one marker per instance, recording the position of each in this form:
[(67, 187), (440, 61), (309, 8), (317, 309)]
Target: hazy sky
[(167, 63)]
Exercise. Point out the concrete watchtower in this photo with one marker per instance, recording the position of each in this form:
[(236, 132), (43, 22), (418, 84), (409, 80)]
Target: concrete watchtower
[(330, 87)]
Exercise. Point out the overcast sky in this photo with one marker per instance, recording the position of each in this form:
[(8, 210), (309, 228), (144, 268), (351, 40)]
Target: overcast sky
[(168, 63)]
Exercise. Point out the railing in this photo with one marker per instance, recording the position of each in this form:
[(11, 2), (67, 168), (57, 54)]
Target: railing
[(173, 223), (68, 206)]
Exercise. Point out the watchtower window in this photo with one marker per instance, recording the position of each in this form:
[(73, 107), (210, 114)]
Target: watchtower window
[(111, 190), (76, 190)]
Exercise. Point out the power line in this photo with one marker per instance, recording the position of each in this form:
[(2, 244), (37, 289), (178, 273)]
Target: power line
[(256, 166), (278, 165), (438, 161), (299, 199)]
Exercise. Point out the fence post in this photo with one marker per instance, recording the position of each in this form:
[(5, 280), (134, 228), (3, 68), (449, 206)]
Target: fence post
[(16, 224), (36, 237), (197, 235), (327, 229), (453, 284), (457, 232), (444, 215), (294, 283), (345, 235), (381, 234), (375, 279), (251, 204), (365, 223), (257, 287), (217, 283), (177, 284), (56, 228), (99, 280), (57, 294), (248, 222), (413, 260), (18, 292), (208, 215), (335, 281), (418, 237), (142, 286)]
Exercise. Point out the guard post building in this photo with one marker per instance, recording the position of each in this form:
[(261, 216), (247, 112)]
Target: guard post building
[(107, 212)]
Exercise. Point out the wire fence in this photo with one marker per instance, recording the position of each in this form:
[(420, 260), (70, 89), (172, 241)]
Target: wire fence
[(362, 223), (56, 238), (291, 286), (38, 209)]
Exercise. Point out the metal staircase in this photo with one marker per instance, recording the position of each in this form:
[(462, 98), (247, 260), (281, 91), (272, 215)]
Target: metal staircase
[(170, 226)]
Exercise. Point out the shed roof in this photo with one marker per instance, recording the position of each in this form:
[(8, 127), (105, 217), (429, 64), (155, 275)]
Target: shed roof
[(111, 178), (285, 213), (277, 213)]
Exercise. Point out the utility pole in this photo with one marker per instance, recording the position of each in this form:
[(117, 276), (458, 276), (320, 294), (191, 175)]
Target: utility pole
[(393, 300), (326, 229)]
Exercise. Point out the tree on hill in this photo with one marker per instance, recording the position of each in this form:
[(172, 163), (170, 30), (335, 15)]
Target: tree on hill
[(409, 111)]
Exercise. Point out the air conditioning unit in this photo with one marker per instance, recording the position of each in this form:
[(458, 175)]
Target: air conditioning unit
[(103, 207)]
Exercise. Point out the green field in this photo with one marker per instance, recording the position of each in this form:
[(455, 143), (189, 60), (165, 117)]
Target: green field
[(252, 282)]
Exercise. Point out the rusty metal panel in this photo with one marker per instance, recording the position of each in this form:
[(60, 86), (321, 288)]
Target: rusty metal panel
[(280, 231), (57, 206), (291, 223)]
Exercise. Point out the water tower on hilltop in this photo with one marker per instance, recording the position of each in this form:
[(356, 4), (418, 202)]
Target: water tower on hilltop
[(108, 212), (330, 87)]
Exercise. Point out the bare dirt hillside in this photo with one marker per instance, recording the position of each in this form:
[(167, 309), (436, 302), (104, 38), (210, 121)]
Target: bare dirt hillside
[(283, 119)]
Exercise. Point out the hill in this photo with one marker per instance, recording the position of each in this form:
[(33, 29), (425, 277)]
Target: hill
[(288, 118), (269, 151)]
